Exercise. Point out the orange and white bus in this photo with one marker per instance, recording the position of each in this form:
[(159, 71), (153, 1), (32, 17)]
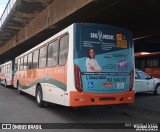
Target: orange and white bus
[(7, 73), (84, 64)]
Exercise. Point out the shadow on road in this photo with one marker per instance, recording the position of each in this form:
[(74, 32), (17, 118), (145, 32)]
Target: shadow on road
[(143, 95)]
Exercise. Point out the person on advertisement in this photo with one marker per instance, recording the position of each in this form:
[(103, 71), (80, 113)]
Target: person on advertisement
[(91, 63)]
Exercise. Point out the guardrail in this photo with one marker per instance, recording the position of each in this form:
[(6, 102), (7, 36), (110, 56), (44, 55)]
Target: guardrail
[(6, 11)]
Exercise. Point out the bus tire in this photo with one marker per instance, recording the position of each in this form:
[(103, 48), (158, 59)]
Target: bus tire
[(5, 83), (157, 90), (39, 97), (18, 88)]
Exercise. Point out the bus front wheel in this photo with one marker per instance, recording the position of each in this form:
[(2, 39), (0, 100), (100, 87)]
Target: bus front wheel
[(39, 97), (18, 88)]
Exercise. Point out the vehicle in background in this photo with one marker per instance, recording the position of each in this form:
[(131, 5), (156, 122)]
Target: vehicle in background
[(62, 70), (7, 73), (148, 62), (146, 83)]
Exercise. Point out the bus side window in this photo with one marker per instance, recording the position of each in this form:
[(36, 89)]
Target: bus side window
[(25, 63), (64, 42), (6, 68), (53, 54), (21, 64), (18, 67), (15, 67), (9, 68), (42, 57), (2, 69), (30, 61), (35, 59)]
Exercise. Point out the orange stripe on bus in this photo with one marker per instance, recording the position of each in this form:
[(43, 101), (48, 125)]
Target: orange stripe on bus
[(27, 77)]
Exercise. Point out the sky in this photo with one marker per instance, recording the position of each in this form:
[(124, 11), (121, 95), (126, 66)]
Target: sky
[(2, 5)]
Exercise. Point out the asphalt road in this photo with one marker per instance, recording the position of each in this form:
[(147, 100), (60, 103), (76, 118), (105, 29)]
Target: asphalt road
[(15, 108)]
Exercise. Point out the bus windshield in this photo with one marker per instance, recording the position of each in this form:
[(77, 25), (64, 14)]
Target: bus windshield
[(104, 55)]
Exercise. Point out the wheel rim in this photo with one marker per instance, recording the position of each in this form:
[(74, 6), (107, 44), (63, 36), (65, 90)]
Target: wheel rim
[(158, 89), (38, 96)]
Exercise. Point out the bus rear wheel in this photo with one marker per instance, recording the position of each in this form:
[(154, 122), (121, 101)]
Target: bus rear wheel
[(5, 83), (39, 97)]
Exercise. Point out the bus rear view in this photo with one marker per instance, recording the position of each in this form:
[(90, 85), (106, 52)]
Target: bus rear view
[(103, 65)]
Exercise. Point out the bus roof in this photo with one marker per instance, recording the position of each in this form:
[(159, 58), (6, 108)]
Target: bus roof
[(6, 63), (66, 29)]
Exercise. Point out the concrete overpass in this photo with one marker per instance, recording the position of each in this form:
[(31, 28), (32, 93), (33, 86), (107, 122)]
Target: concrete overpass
[(32, 21)]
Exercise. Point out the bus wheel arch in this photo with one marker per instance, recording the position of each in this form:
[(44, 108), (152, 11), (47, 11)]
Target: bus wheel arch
[(39, 96)]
